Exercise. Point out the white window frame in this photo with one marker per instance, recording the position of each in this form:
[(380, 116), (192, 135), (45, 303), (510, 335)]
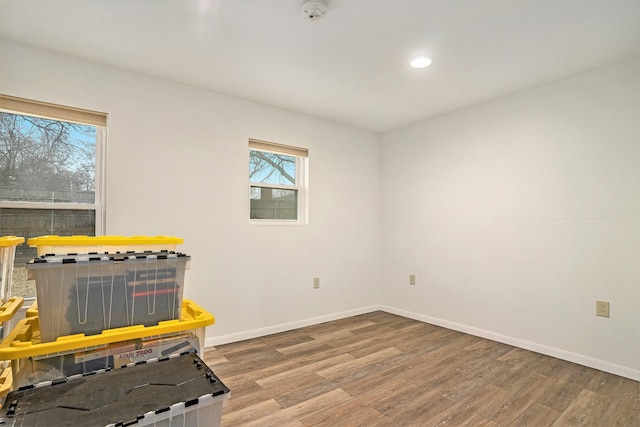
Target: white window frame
[(26, 107), (302, 161)]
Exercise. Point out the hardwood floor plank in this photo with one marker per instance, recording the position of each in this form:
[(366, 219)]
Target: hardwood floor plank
[(439, 367), (251, 413), (611, 385), (487, 399), (413, 403), (215, 359), (485, 348), (335, 335), (552, 367), (523, 393), (324, 358), (293, 414), (363, 324), (302, 388), (353, 367), (281, 339), (464, 415), (510, 409), (245, 395), (374, 344), (466, 389), (536, 415), (348, 413), (621, 412), (568, 386), (304, 348), (388, 377), (280, 379), (432, 340), (587, 409)]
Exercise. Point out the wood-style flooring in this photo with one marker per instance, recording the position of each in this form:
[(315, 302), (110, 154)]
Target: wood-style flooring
[(379, 369)]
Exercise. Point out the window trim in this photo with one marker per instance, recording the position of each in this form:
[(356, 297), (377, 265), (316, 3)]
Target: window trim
[(274, 147), (62, 113), (301, 155), (28, 107)]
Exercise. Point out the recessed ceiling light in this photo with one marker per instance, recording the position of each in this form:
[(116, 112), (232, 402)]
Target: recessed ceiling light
[(421, 62)]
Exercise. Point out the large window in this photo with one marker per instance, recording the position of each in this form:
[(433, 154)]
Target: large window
[(51, 175), (277, 182)]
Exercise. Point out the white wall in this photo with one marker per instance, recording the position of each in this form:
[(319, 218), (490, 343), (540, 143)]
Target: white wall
[(178, 165), (517, 215)]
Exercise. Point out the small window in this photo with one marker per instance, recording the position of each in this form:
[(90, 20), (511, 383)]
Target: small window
[(51, 175), (277, 182)]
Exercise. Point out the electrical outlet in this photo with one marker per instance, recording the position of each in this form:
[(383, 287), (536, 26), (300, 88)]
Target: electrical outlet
[(602, 308), (316, 283), (412, 279)]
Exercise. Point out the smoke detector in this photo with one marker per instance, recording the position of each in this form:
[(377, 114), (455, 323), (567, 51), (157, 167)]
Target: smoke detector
[(314, 9)]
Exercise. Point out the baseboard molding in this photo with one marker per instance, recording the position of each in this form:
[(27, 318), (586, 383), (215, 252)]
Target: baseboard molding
[(256, 333), (580, 359)]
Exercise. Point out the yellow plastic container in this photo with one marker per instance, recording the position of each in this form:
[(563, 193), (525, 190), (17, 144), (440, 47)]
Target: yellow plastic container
[(61, 245), (86, 294), (33, 361), (24, 339), (7, 256), (34, 370)]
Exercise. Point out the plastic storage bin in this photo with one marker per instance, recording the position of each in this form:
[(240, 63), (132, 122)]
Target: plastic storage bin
[(91, 293), (61, 245), (7, 256), (25, 339), (33, 370), (176, 391), (32, 360)]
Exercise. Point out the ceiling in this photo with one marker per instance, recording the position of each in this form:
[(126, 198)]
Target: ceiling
[(349, 67)]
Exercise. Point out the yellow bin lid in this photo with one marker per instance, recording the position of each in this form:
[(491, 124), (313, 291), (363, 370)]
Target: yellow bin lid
[(11, 240), (103, 240)]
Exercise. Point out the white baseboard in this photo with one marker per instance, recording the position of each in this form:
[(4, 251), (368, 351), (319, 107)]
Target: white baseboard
[(255, 333), (580, 359)]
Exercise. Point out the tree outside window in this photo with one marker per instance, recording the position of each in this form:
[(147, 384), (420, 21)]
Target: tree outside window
[(49, 182)]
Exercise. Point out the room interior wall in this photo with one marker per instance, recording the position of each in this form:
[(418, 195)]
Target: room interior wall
[(518, 214), (177, 164)]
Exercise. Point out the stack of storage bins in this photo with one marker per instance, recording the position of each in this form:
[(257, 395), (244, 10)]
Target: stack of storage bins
[(103, 303), (9, 305)]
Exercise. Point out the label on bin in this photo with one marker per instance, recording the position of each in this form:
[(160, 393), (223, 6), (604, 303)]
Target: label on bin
[(115, 348), (132, 351), (156, 349)]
